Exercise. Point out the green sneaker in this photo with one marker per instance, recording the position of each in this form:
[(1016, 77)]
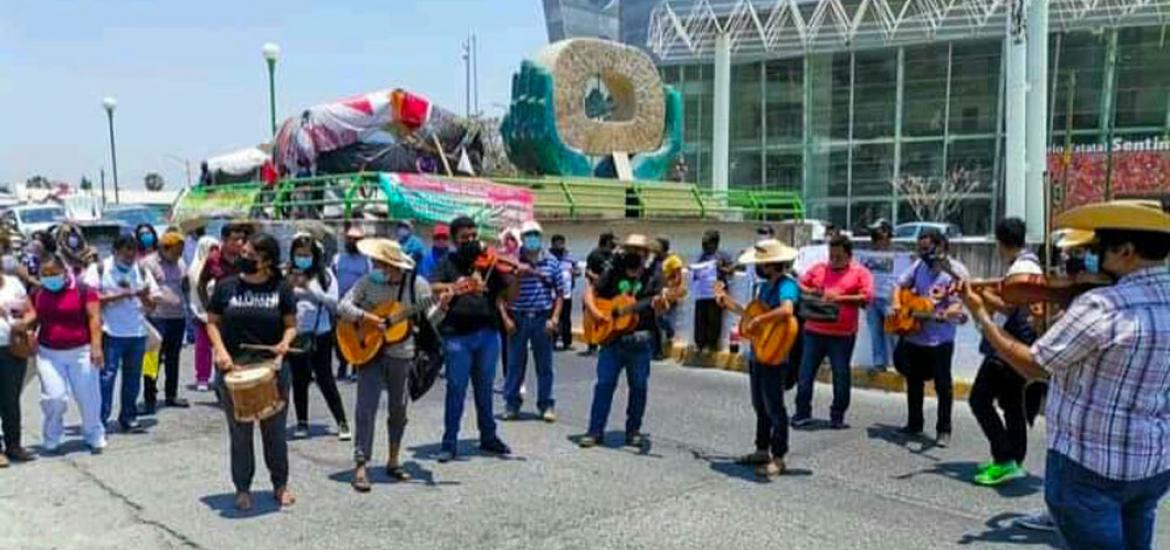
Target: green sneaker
[(999, 473), (983, 466)]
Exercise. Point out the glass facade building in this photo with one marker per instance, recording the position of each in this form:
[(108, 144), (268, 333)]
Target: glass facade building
[(842, 127)]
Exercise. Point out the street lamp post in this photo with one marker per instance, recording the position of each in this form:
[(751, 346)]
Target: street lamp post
[(109, 104), (271, 52)]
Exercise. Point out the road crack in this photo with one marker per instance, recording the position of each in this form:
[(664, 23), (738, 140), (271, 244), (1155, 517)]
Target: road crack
[(137, 511)]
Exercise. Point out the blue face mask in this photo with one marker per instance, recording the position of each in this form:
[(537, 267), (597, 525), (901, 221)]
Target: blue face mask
[(303, 263), (379, 276), (1092, 263), (532, 242), (147, 239), (53, 283)]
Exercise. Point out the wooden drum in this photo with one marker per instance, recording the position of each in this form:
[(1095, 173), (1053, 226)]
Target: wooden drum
[(255, 391)]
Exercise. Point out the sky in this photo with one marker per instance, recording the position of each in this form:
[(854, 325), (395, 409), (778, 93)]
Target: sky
[(190, 81)]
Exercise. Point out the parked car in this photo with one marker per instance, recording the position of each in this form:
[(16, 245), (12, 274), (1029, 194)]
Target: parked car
[(910, 231), (27, 219), (131, 215)]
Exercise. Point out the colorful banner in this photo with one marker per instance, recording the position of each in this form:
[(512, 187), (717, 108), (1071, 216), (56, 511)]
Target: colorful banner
[(228, 202), (433, 199), (1141, 169)]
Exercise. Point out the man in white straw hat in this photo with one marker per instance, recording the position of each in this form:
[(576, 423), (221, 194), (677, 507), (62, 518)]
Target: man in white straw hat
[(779, 292), (1108, 362), (349, 265), (389, 280), (627, 274)]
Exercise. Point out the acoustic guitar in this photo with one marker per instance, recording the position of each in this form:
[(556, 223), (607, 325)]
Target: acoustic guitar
[(771, 340), (912, 310), (622, 313), (360, 341)]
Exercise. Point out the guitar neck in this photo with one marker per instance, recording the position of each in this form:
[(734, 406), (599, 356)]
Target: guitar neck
[(419, 307)]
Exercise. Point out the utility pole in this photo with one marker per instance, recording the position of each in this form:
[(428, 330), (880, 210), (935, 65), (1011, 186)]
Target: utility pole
[(475, 72), (467, 77)]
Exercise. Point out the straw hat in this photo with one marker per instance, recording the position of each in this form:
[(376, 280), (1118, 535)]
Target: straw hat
[(355, 232), (639, 241), (386, 251), (1074, 238), (768, 251), (1128, 215), (531, 226)]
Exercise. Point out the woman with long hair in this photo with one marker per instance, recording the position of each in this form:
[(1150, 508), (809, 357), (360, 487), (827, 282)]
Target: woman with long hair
[(254, 308), (147, 238), (207, 248), (315, 289)]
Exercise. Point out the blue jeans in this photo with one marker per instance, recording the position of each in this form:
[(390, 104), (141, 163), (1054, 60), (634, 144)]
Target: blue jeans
[(470, 358), (883, 343), (839, 350), (1093, 511), (126, 353), (632, 354), (530, 329)]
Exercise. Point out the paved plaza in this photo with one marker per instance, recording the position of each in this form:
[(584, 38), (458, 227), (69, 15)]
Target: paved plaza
[(866, 487)]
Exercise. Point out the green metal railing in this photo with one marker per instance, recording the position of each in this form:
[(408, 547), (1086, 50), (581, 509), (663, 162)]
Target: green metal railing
[(556, 197)]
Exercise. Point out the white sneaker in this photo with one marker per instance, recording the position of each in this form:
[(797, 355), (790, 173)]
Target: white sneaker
[(1040, 521), (201, 387), (98, 446), (523, 390), (343, 433)]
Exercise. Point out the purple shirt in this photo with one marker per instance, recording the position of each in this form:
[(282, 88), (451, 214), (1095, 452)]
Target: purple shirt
[(925, 282)]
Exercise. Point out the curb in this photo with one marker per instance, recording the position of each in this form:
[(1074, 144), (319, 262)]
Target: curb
[(862, 378)]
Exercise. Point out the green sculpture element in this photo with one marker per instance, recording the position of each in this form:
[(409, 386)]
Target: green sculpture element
[(534, 145)]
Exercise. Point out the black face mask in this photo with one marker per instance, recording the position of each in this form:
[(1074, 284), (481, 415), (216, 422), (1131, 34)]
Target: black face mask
[(1074, 266), (632, 261), (247, 266), (762, 273), (558, 252), (351, 247), (469, 251)]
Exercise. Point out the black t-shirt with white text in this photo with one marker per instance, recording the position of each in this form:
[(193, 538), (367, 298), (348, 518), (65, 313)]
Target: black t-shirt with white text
[(251, 313)]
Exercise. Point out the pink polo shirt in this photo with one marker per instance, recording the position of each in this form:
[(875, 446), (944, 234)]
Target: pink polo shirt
[(854, 279)]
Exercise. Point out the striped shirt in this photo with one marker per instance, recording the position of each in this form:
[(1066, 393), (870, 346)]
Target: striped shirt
[(540, 290), (1109, 396)]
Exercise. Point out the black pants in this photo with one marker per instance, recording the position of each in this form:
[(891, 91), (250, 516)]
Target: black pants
[(342, 365), (317, 365), (919, 364), (173, 331), (997, 383), (708, 324), (565, 327), (272, 437), (12, 370), (767, 385)]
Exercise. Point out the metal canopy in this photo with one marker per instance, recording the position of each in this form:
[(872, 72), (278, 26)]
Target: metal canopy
[(682, 30)]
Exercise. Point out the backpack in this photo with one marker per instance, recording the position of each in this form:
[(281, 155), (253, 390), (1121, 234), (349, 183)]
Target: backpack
[(428, 348)]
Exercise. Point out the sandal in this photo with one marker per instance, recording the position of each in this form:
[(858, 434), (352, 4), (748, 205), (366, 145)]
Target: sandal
[(243, 501), (361, 481), (397, 473), (284, 497), (756, 458)]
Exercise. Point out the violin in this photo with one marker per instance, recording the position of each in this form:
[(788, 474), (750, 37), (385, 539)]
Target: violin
[(1024, 288), (491, 260)]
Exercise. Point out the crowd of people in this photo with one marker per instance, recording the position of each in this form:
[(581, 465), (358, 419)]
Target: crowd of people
[(82, 322)]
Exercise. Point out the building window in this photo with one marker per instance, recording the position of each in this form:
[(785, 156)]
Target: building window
[(784, 99), (864, 213), (830, 76), (1083, 53), (746, 119), (975, 87), (873, 169), (746, 170), (1143, 78), (922, 159), (875, 93), (828, 171), (925, 95), (784, 170), (976, 159)]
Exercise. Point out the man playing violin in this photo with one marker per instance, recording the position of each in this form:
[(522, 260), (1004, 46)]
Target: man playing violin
[(627, 274), (471, 338), (926, 354), (1108, 362), (779, 293), (996, 382)]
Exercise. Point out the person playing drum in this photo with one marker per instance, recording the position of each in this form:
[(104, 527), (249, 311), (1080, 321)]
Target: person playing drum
[(255, 308), (389, 371)]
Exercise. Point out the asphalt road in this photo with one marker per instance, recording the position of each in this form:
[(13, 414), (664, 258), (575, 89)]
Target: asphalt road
[(861, 488)]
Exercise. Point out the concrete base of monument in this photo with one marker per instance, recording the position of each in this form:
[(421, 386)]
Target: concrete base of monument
[(686, 356)]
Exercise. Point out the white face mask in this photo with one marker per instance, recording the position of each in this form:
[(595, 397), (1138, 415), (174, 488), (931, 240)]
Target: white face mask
[(9, 264)]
